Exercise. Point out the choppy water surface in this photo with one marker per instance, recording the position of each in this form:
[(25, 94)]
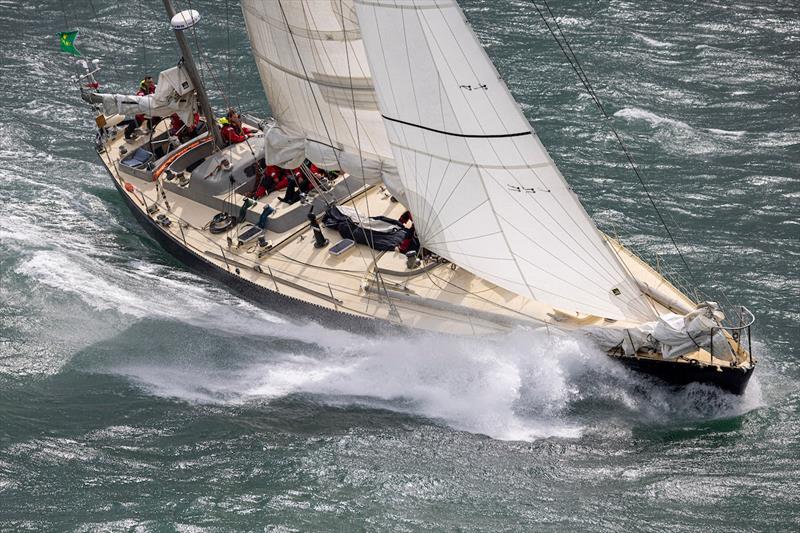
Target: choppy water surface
[(135, 395)]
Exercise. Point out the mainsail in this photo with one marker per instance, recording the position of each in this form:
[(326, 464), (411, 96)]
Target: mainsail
[(483, 190), (314, 69)]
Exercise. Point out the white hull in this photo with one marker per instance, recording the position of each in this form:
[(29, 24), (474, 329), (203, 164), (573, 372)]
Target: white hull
[(362, 284)]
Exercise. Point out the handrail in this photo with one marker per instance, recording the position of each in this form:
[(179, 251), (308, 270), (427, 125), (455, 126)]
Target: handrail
[(743, 326), (736, 334)]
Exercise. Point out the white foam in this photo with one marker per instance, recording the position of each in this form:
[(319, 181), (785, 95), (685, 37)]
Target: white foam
[(726, 133), (680, 137), (652, 42), (518, 387), (142, 290), (635, 113), (513, 388)]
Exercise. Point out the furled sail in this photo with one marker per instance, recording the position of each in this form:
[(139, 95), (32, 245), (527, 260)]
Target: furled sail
[(174, 94), (314, 69), (483, 190)]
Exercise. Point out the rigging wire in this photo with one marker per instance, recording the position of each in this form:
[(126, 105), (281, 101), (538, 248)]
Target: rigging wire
[(228, 38), (311, 90), (219, 87), (325, 125), (378, 276), (575, 64)]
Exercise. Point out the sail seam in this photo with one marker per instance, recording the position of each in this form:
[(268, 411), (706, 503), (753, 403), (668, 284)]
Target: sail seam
[(317, 81), (454, 134), (511, 176), (412, 7), (479, 165), (423, 234), (307, 33)]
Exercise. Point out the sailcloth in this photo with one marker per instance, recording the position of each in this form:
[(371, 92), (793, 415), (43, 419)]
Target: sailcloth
[(483, 191), (315, 74), (174, 94)]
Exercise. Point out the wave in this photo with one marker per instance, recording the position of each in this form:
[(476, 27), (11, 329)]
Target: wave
[(139, 290), (523, 386), (652, 42), (636, 113), (680, 137), (726, 133)]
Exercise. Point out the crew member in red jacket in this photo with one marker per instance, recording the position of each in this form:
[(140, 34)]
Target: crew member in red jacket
[(273, 180), (146, 87), (233, 132), (182, 131)]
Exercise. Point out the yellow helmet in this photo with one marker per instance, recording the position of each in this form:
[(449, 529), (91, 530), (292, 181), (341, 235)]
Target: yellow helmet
[(223, 121)]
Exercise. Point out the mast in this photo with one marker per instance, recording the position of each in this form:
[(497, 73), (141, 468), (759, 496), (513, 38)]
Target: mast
[(189, 20)]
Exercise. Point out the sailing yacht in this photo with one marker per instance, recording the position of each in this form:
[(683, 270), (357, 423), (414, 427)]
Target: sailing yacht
[(399, 104)]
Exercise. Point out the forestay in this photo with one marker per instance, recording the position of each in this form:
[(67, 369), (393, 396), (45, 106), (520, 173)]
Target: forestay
[(314, 70), (483, 191)]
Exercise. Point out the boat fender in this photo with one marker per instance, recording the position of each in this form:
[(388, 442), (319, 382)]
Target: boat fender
[(129, 186)]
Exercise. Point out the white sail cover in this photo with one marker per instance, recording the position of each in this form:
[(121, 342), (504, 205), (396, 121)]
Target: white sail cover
[(672, 334), (482, 189), (174, 94), (315, 74)]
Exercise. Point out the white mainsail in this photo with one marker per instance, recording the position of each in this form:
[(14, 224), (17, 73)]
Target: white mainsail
[(483, 190), (314, 70)]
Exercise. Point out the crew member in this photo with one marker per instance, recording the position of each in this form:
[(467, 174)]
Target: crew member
[(232, 130), (180, 130), (298, 184), (272, 180), (146, 87), (409, 241)]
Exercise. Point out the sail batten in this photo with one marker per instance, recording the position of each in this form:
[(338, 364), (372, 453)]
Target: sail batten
[(483, 190)]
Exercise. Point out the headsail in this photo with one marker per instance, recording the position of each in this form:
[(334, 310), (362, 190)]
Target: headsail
[(314, 70), (483, 190)]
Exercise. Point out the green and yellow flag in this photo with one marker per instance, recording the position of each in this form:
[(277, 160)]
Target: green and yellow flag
[(68, 42)]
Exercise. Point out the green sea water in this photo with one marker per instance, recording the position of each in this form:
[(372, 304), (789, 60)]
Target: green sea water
[(137, 396)]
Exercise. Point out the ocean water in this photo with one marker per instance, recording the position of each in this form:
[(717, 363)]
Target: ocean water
[(138, 396)]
